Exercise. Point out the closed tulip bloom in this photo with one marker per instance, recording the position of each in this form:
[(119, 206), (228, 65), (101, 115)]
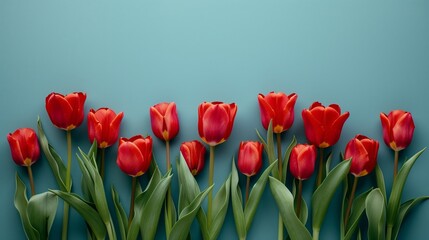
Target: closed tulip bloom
[(363, 152), (134, 155), (103, 126), (279, 108), (24, 146), (302, 161), (194, 154), (164, 120), (323, 125), (66, 112), (250, 157), (398, 129), (215, 121)]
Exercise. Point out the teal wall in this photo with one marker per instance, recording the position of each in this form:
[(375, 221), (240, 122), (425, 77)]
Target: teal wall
[(367, 56)]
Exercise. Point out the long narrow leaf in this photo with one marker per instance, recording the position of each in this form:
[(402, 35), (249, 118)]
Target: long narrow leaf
[(21, 204), (380, 182), (41, 211), (376, 214), (237, 204), (121, 216), (285, 204), (220, 207), (286, 157), (405, 208), (356, 213)]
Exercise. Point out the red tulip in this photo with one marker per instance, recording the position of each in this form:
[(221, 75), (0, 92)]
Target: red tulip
[(302, 160), (250, 157), (134, 155), (215, 121), (279, 108), (24, 146), (103, 126), (323, 125), (194, 154), (164, 120), (363, 151), (66, 112), (398, 129)]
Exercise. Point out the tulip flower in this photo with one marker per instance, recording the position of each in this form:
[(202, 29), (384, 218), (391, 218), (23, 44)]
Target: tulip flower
[(398, 130), (194, 154), (66, 112), (215, 122), (323, 127), (103, 126), (278, 108), (134, 158), (363, 153), (164, 120), (24, 148), (249, 160)]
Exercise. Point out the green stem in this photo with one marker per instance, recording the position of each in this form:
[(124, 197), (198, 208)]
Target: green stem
[(102, 163), (350, 203), (133, 196), (30, 176), (279, 156), (68, 185), (395, 166), (210, 195), (316, 234), (321, 166), (168, 208), (280, 229), (167, 154), (299, 198), (247, 188), (389, 232)]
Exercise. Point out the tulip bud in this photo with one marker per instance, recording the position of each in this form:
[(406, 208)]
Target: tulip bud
[(134, 155), (302, 160), (66, 112), (24, 146), (250, 157), (194, 154), (323, 125), (363, 152), (215, 121), (164, 120), (279, 108), (103, 126), (398, 129)]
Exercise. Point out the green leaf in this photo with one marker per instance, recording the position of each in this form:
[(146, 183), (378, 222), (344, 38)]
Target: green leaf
[(220, 207), (286, 157), (303, 216), (376, 214), (85, 210), (356, 213), (189, 186), (255, 196), (380, 182), (55, 162), (121, 216), (269, 147), (328, 163), (398, 186), (152, 207), (181, 228), (41, 211), (169, 213), (343, 204), (324, 193), (403, 211), (285, 204), (21, 204), (237, 204)]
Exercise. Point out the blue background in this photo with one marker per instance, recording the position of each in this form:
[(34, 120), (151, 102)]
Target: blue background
[(367, 56)]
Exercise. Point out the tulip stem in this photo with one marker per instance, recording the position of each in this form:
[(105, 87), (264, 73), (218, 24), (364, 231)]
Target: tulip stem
[(349, 205), (68, 185), (167, 154), (247, 188), (133, 194), (280, 167), (102, 163), (210, 195), (299, 198), (320, 172), (30, 176), (168, 200), (280, 229), (395, 166)]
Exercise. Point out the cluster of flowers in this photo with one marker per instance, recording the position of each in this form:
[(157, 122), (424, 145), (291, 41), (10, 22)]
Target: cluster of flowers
[(323, 126)]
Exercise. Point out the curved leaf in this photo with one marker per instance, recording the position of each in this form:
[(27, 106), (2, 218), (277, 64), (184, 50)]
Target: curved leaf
[(285, 204), (220, 207), (405, 208), (41, 211), (380, 182), (237, 204), (398, 186), (85, 210), (21, 204), (121, 216), (376, 214), (286, 157), (324, 193), (357, 210), (269, 147)]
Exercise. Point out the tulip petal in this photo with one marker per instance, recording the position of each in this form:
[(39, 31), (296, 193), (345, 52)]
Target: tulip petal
[(215, 122), (130, 159), (334, 132), (59, 110), (385, 123), (157, 122), (313, 128), (403, 131)]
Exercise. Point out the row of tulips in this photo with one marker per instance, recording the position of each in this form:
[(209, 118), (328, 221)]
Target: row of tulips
[(323, 126)]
